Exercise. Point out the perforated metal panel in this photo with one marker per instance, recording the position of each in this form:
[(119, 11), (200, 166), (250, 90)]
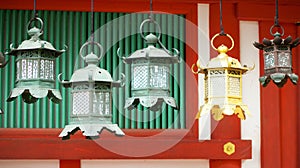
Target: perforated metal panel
[(73, 29)]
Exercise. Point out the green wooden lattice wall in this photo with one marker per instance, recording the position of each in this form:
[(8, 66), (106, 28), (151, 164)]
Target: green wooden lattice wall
[(73, 29)]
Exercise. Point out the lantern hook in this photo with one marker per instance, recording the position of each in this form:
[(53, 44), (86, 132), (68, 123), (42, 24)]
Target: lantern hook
[(216, 35), (2, 60), (63, 82), (198, 66), (91, 43)]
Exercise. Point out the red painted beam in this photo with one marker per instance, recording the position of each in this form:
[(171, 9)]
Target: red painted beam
[(69, 164), (45, 144), (288, 13)]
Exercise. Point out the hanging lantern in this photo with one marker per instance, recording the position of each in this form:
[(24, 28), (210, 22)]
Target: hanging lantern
[(277, 59), (150, 74), (91, 98), (277, 56), (35, 65), (223, 84)]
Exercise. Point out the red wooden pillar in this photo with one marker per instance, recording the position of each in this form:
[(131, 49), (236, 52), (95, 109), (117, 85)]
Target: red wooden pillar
[(297, 53), (230, 126), (288, 112), (270, 114), (279, 109)]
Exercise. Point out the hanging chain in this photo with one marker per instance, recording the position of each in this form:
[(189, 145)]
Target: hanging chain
[(92, 23), (222, 33), (151, 11), (276, 22), (35, 14)]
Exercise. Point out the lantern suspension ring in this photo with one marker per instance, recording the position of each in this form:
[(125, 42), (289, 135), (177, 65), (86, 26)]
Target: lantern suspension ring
[(219, 34), (33, 31), (156, 39), (93, 43)]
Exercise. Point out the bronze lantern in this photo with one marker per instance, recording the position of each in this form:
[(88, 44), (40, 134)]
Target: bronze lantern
[(277, 55)]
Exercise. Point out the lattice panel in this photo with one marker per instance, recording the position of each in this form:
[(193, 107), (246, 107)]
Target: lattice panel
[(80, 103), (139, 76), (234, 86)]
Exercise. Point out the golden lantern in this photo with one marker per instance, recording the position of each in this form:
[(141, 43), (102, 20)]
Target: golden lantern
[(223, 84)]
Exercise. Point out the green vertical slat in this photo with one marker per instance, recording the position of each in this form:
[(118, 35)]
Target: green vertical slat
[(127, 68), (139, 109), (158, 114), (164, 117), (12, 118), (123, 49), (2, 97), (176, 72), (62, 68), (6, 85), (134, 21), (182, 74), (58, 39), (51, 39), (119, 99), (115, 73), (169, 44)]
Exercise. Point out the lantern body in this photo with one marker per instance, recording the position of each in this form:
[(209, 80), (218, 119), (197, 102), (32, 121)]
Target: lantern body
[(277, 60), (91, 101), (35, 69), (223, 86), (150, 76)]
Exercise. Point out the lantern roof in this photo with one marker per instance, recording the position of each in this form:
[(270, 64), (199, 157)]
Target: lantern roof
[(34, 43), (151, 52), (91, 72), (225, 61), (278, 40)]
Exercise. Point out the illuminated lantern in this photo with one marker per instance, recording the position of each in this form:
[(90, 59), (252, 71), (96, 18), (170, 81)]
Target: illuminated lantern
[(223, 84), (91, 98)]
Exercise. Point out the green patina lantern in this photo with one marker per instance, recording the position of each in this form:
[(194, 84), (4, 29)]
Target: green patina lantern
[(35, 67), (150, 74), (91, 98), (277, 59)]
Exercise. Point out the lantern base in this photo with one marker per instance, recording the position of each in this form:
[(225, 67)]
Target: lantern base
[(90, 130), (226, 109), (154, 103), (279, 79), (31, 95)]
